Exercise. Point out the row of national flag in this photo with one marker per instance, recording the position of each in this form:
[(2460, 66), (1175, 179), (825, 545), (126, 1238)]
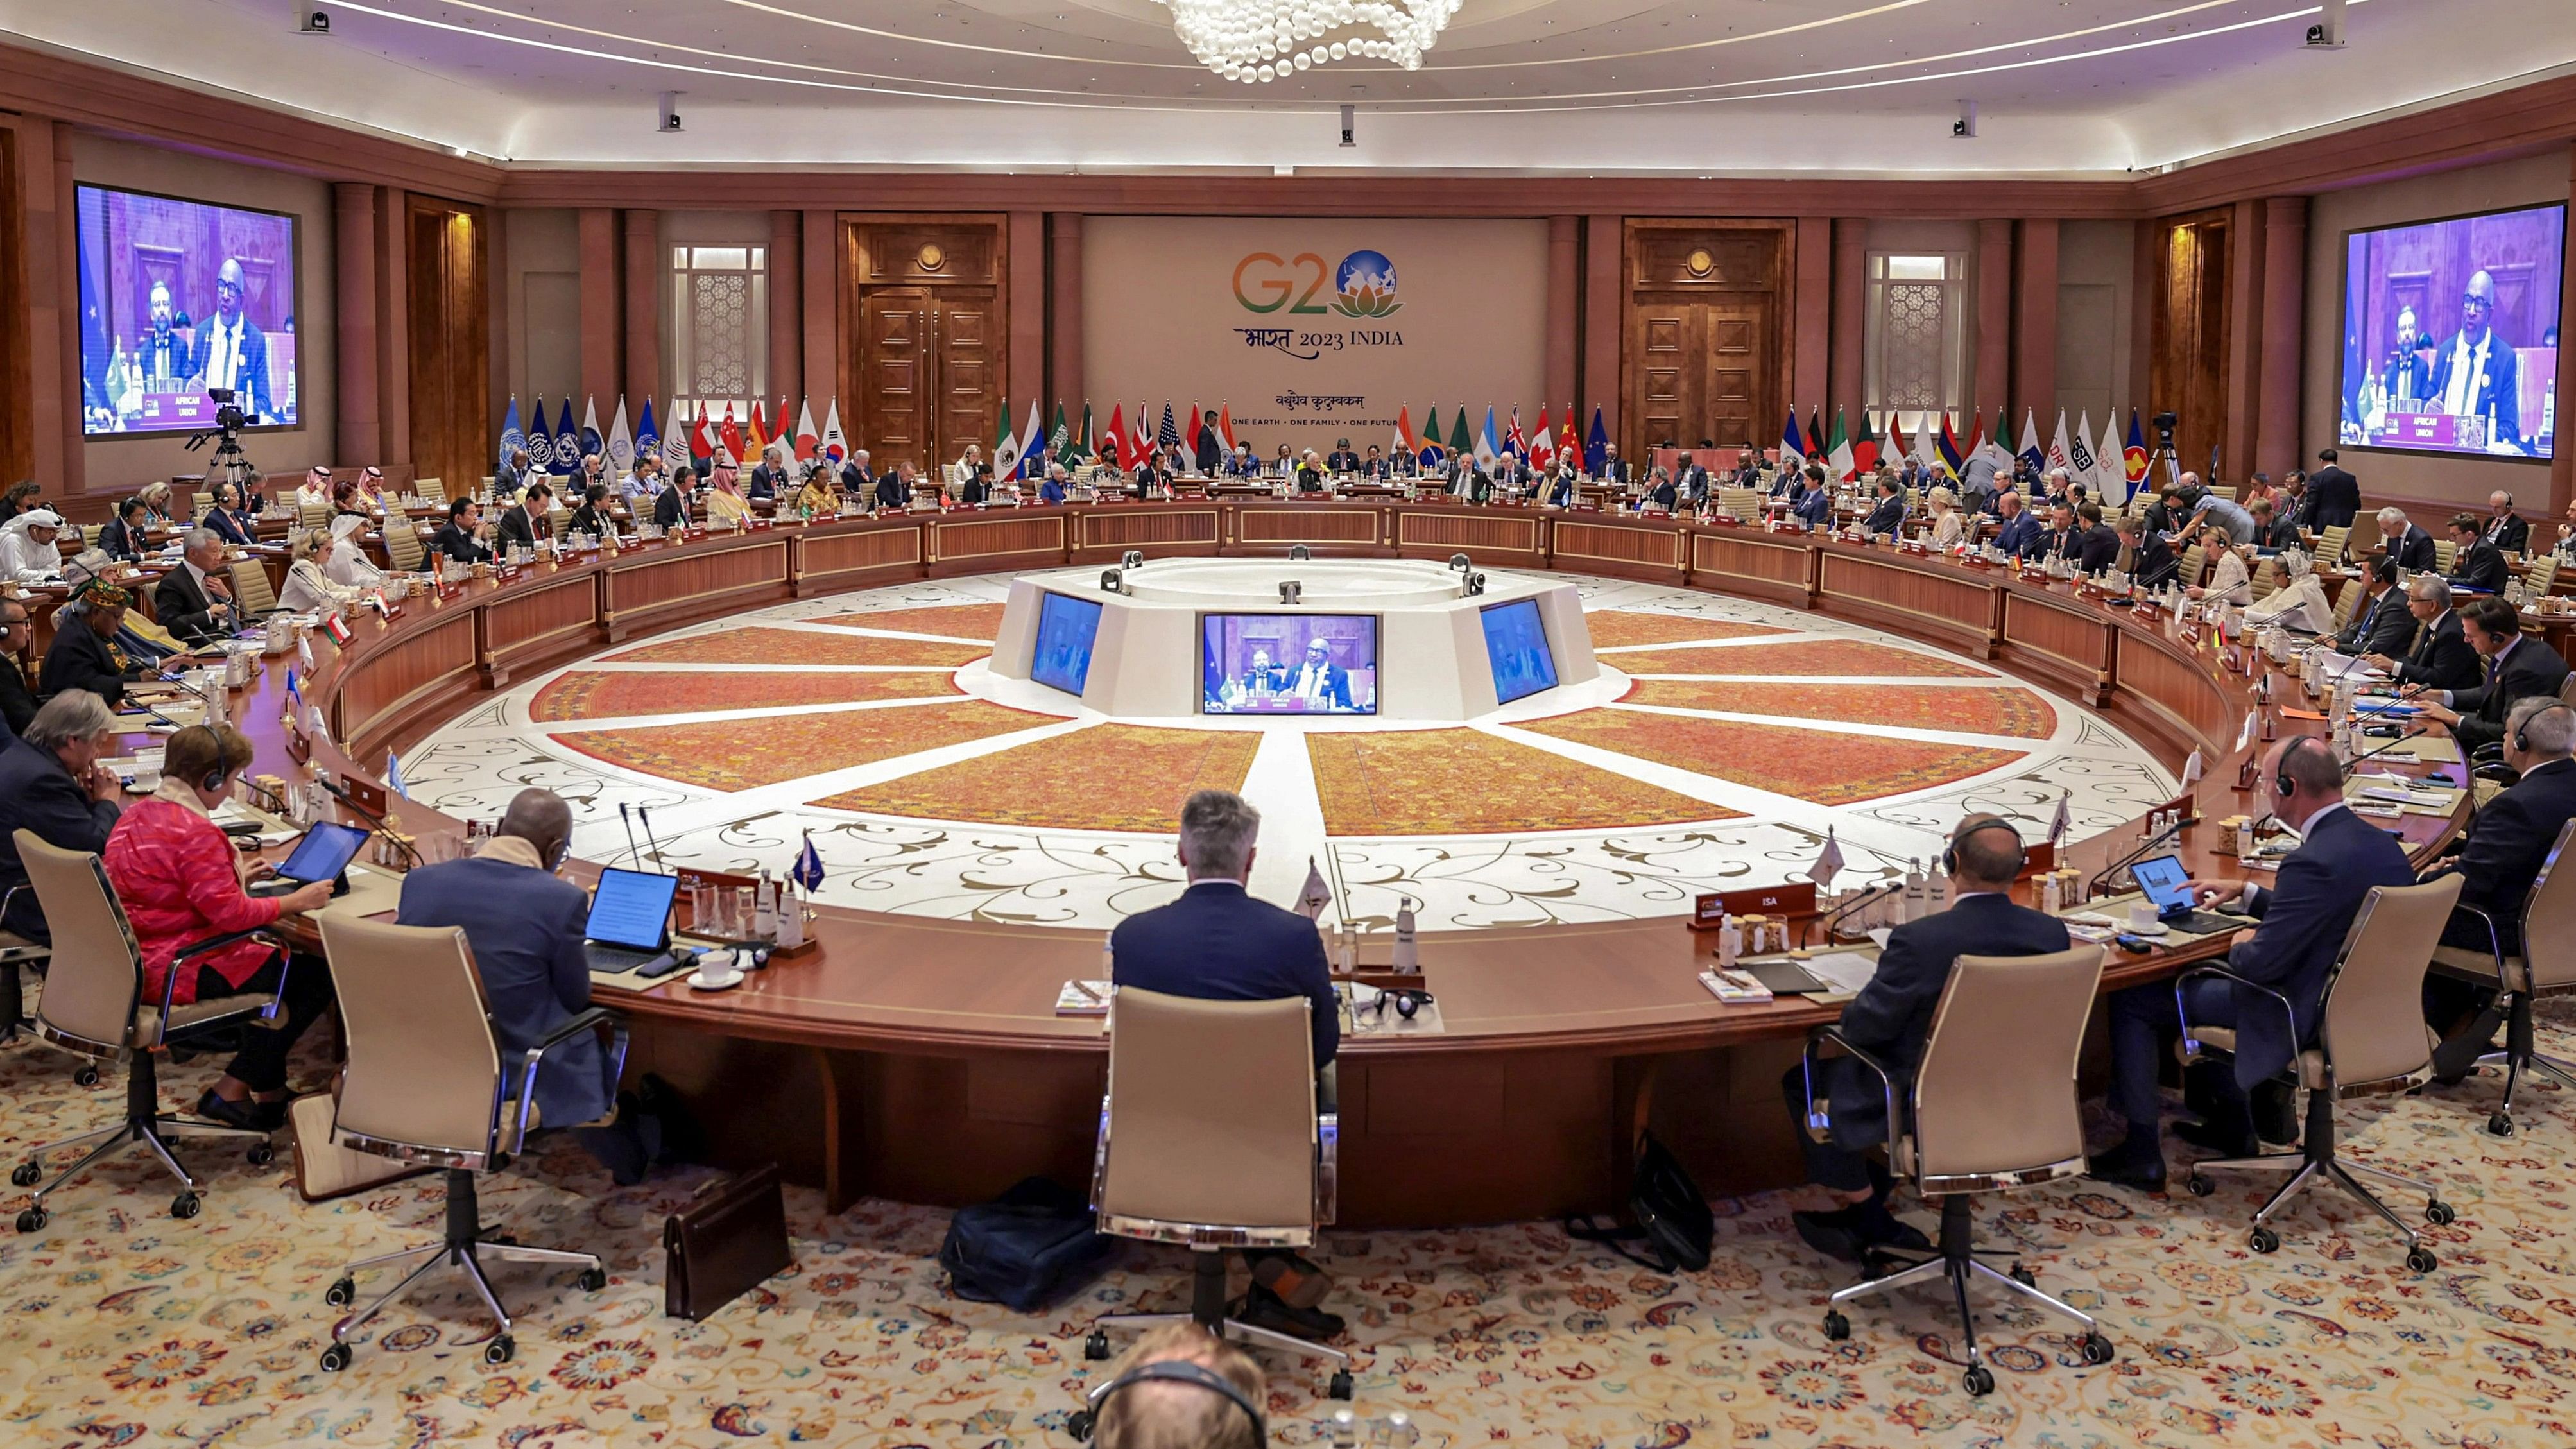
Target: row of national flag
[(2112, 464), (1132, 439), (692, 440)]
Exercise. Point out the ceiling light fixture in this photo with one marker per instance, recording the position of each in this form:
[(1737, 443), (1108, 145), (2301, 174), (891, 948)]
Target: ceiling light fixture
[(1264, 40)]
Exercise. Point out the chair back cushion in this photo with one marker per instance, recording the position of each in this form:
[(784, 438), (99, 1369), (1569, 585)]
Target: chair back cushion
[(2331, 541), (2549, 920), (96, 975), (2373, 1027), (423, 1069), (1211, 1116), (403, 548), (1995, 1091), (251, 586)]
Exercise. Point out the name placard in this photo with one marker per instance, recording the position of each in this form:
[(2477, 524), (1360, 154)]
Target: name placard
[(1792, 899)]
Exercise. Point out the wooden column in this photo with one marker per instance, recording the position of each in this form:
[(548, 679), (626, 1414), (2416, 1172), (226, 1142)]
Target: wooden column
[(2562, 459), (1564, 308), (393, 338), (1812, 302), (1605, 286), (787, 317), (1064, 313), (822, 257), (1994, 315), (1843, 373), (2245, 276), (2285, 269), (1024, 375), (2034, 386), (66, 240), (643, 249), (358, 438), (602, 313), (53, 392)]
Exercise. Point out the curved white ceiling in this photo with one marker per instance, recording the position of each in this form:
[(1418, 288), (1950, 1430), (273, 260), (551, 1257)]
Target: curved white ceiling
[(1734, 87)]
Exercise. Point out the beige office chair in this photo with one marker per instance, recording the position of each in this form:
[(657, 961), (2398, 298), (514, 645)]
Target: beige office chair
[(2371, 1042), (2194, 565), (93, 1006), (436, 488), (2331, 543), (2267, 578), (313, 515), (2347, 605), (2545, 967), (1211, 1137), (425, 1084), (2444, 551), (251, 588), (2540, 575), (1993, 1108), (403, 548)]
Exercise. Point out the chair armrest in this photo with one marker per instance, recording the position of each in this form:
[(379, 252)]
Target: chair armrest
[(170, 977), (1819, 1123), (2495, 941), (582, 1023), (2182, 1012)]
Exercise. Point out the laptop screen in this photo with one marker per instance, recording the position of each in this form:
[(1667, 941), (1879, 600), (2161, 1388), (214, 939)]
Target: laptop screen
[(2161, 880), (632, 908), (324, 852)]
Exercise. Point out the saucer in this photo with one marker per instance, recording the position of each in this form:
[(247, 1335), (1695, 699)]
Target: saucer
[(700, 981), (2158, 929)]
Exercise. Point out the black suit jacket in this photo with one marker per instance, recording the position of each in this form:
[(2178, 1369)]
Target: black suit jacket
[(519, 526), (234, 528), (2511, 533), (856, 481), (2498, 393), (670, 509), (186, 611), (2440, 656), (1209, 451), (2503, 851), (2305, 915), (890, 492), (2530, 667), (1892, 1015), (2284, 533), (2479, 566), (119, 541), (17, 702), (2101, 549), (453, 542), (78, 659), (1216, 943), (2155, 564), (2413, 549), (37, 794), (2382, 626), (761, 482), (2335, 496), (1887, 517)]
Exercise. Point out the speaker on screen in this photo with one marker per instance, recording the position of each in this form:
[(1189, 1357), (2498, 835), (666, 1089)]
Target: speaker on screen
[(2450, 334), (179, 299)]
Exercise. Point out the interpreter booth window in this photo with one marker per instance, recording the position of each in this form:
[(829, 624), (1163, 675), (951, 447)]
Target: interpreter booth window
[(719, 329), (1914, 357)]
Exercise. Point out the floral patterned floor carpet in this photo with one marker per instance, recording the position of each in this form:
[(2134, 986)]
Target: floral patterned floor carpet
[(123, 1326)]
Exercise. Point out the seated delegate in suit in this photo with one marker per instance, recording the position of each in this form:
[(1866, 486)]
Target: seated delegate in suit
[(195, 600), (1560, 487), (1342, 459), (121, 537), (2100, 547), (52, 784), (2412, 547), (2151, 559), (1319, 681), (529, 519), (592, 517), (2437, 654), (85, 653), (894, 487), (180, 880), (2509, 531), (1811, 504), (2475, 564), (1887, 516), (2063, 540), (2501, 852), (1375, 468), (2299, 603), (769, 476), (2272, 532), (2303, 919), (2381, 625), (1052, 488), (858, 479), (1217, 943), (17, 702), (231, 522), (308, 588), (525, 925), (671, 506), (460, 538), (1661, 493), (1613, 471), (1890, 1019), (2020, 533), (2518, 666)]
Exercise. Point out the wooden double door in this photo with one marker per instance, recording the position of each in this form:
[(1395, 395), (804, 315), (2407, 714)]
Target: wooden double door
[(927, 335), (1702, 342)]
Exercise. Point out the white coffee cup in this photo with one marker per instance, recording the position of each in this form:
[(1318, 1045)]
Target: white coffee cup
[(2143, 917)]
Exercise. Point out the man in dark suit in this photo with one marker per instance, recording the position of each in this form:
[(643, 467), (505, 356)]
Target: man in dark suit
[(459, 538), (671, 505), (2336, 495), (2412, 547), (526, 925), (1888, 514), (2497, 860), (2475, 564), (2478, 374), (2509, 531), (894, 487), (2409, 375), (1342, 460), (858, 480), (2303, 920), (529, 519), (2439, 656), (1692, 484), (1208, 448), (2518, 666), (1664, 494), (769, 477), (2100, 547), (1217, 943), (1375, 467), (1319, 681), (2272, 532), (2151, 561), (2381, 625), (2063, 539), (121, 537), (1890, 1019), (17, 702), (52, 784), (1810, 503), (231, 350), (194, 601), (2020, 531), (1613, 470)]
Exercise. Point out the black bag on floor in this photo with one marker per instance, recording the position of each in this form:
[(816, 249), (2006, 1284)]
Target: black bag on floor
[(1672, 1215), (1027, 1248)]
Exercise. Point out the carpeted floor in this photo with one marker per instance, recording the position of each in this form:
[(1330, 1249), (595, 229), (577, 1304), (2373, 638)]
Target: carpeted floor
[(601, 694), (1612, 628), (741, 755), (1467, 782), (1853, 657), (953, 621), (126, 1327), (756, 645), (1108, 777), (1783, 759), (2005, 710)]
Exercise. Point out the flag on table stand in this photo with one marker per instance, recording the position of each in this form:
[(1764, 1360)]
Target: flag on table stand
[(1433, 449), (2133, 456), (2193, 769), (1542, 444), (1596, 444), (836, 444), (303, 654), (2079, 450), (1516, 442), (2031, 451), (592, 440), (806, 437), (1864, 447), (2106, 460), (393, 775), (567, 447), (1314, 895), (1791, 445), (1006, 448), (807, 872), (1460, 445), (1487, 453), (295, 691), (1838, 457), (621, 444), (513, 437), (2057, 826), (2060, 455), (729, 435), (648, 438), (541, 442), (1829, 861)]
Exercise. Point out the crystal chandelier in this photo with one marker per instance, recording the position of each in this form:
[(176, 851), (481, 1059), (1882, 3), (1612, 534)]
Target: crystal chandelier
[(1264, 40)]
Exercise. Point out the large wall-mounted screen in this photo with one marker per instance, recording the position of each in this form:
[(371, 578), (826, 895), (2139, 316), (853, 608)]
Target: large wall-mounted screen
[(1516, 644), (179, 299), (2450, 334), (1066, 628), (1288, 664)]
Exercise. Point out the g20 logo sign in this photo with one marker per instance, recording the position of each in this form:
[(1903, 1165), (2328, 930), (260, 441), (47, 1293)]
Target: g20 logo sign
[(1363, 284)]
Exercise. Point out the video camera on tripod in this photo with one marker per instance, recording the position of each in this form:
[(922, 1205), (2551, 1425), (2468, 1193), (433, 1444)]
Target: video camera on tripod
[(229, 461)]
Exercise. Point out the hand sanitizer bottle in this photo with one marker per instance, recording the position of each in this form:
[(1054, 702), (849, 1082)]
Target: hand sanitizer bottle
[(1408, 955), (1730, 943), (1937, 892)]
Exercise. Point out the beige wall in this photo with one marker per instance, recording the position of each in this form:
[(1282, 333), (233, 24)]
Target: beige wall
[(2416, 477), (1161, 319), (541, 258), (119, 464), (2094, 323)]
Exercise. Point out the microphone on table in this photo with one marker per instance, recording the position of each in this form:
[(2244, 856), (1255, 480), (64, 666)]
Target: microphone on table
[(1867, 894), (633, 852), (645, 814), (350, 804), (2095, 886)]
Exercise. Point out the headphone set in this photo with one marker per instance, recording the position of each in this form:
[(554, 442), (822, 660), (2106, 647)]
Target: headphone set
[(1968, 827), (2522, 733), (1175, 1371), (2281, 781)]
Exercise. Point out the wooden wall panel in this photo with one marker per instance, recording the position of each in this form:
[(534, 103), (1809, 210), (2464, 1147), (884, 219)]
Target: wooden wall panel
[(1293, 524), (1750, 562), (2073, 640), (1110, 533), (692, 583), (1705, 325), (2191, 332), (411, 674), (1619, 548), (985, 539), (1915, 600), (542, 623), (821, 558), (2185, 691), (1502, 538), (446, 334)]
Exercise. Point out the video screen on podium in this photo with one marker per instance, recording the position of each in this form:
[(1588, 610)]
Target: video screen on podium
[(1288, 664), (2450, 334), (1516, 643), (1066, 628), (180, 299)]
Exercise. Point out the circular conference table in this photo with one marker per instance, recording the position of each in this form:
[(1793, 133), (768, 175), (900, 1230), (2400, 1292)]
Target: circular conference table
[(921, 1060)]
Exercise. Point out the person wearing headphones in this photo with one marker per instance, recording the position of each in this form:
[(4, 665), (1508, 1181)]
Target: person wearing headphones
[(180, 881), (2302, 919), (2517, 667), (525, 924), (1890, 1019), (2497, 859), (1180, 1387), (2381, 625)]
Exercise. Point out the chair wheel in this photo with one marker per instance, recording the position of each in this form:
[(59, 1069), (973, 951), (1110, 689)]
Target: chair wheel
[(499, 1350), (31, 1220), (85, 1077), (1096, 1347), (2024, 1276), (2263, 1240), (2422, 1260), (2501, 1124), (261, 1154), (184, 1206), (2440, 1214), (341, 1293), (2200, 1186), (336, 1358), (593, 1279), (1837, 1327), (25, 1174), (1979, 1380), (1078, 1424), (2097, 1349)]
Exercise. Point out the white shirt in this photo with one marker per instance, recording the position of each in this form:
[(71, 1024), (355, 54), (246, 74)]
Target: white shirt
[(223, 357), (309, 589), (1314, 681), (351, 568), (20, 554), (2300, 604), (2468, 366)]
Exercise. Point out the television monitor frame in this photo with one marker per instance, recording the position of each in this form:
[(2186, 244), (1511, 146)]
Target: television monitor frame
[(2343, 299), (1048, 600), (1547, 647), (294, 246), (1377, 638)]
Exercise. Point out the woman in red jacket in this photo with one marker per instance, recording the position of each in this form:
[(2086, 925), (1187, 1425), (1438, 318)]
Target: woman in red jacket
[(180, 881)]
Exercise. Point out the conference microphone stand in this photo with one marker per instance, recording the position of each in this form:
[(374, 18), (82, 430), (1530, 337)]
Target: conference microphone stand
[(350, 804), (2094, 887)]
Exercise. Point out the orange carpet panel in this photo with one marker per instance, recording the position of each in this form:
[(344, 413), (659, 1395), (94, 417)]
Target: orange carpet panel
[(744, 755), (1807, 657), (1612, 628), (799, 646), (1783, 759), (1110, 777), (1467, 782), (601, 694), (955, 621), (1971, 709)]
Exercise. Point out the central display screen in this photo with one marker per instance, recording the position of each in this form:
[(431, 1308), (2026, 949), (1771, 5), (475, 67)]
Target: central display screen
[(180, 299), (1288, 664), (1516, 645), (1066, 627), (2450, 334)]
